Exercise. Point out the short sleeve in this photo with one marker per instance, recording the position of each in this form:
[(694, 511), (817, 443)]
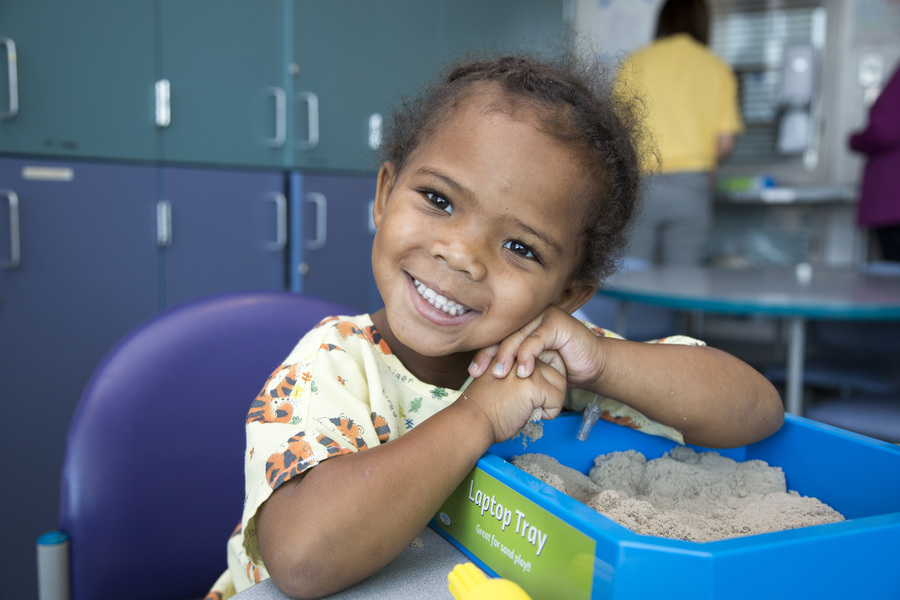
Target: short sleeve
[(616, 412), (729, 118), (316, 405), (340, 391)]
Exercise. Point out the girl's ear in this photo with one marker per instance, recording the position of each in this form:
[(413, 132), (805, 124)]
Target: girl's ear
[(576, 295), (387, 174)]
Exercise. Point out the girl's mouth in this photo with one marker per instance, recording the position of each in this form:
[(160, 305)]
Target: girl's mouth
[(445, 305)]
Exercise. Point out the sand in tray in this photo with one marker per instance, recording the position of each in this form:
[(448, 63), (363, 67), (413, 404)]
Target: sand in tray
[(686, 495)]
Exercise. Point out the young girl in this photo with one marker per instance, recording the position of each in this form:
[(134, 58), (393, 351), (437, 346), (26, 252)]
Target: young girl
[(503, 200)]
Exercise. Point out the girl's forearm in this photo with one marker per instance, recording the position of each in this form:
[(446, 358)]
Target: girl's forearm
[(352, 514), (713, 398)]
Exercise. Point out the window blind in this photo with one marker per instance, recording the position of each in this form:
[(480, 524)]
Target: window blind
[(752, 35)]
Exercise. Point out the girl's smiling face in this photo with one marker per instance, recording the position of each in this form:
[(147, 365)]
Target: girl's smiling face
[(478, 234)]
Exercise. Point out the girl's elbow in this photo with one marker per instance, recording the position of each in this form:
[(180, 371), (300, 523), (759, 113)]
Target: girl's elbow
[(305, 582), (298, 569), (776, 419), (770, 412)]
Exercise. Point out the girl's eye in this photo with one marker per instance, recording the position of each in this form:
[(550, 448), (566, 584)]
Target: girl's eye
[(520, 249), (440, 202)]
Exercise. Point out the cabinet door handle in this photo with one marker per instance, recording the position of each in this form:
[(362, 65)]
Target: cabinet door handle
[(15, 245), (280, 117), (312, 114), (321, 202), (163, 223), (280, 242), (375, 127), (163, 93), (12, 74)]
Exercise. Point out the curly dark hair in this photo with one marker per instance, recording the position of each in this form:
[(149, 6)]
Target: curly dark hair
[(576, 103)]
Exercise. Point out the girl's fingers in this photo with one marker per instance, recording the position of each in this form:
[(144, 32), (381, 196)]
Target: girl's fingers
[(556, 390), (510, 349), (537, 346), (553, 359), (521, 349), (482, 360)]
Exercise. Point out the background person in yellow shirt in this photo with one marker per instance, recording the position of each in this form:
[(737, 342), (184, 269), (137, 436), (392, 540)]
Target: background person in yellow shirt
[(692, 116)]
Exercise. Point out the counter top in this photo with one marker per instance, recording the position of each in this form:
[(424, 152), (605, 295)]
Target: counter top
[(800, 194)]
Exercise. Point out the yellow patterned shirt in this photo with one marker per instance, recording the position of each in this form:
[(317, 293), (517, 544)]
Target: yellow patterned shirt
[(342, 390)]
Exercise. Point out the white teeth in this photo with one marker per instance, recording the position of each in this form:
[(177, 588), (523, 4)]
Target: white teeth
[(440, 302)]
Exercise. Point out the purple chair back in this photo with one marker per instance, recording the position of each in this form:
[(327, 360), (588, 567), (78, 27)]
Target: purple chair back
[(152, 482)]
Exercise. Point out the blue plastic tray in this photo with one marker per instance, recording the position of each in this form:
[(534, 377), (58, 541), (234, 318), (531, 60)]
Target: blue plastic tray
[(597, 558)]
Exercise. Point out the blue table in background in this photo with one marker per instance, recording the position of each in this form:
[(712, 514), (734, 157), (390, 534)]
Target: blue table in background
[(792, 295)]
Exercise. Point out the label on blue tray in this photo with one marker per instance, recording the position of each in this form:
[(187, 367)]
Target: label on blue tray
[(518, 539)]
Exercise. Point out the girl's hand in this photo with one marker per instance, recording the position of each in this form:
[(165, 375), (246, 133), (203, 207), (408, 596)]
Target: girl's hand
[(553, 335), (508, 403)]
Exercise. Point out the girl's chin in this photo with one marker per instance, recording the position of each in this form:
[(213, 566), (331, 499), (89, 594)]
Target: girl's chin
[(437, 349), (413, 339)]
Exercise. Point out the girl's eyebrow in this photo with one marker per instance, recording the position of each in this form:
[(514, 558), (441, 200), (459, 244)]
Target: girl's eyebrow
[(448, 181), (554, 246)]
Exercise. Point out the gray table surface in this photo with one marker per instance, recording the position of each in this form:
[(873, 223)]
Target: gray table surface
[(792, 295), (824, 293), (419, 572)]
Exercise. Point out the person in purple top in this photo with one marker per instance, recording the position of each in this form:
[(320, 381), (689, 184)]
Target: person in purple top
[(879, 195)]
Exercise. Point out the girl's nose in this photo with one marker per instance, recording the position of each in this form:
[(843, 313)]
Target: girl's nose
[(461, 253)]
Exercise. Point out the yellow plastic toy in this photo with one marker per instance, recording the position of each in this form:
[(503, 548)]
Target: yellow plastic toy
[(468, 582)]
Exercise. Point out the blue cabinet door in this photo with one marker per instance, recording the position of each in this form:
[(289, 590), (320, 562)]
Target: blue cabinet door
[(331, 240), (80, 274), (223, 60), (331, 61), (505, 26), (410, 40), (228, 232), (83, 78), (414, 41)]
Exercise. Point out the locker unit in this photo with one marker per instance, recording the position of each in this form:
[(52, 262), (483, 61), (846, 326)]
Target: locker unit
[(158, 150)]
